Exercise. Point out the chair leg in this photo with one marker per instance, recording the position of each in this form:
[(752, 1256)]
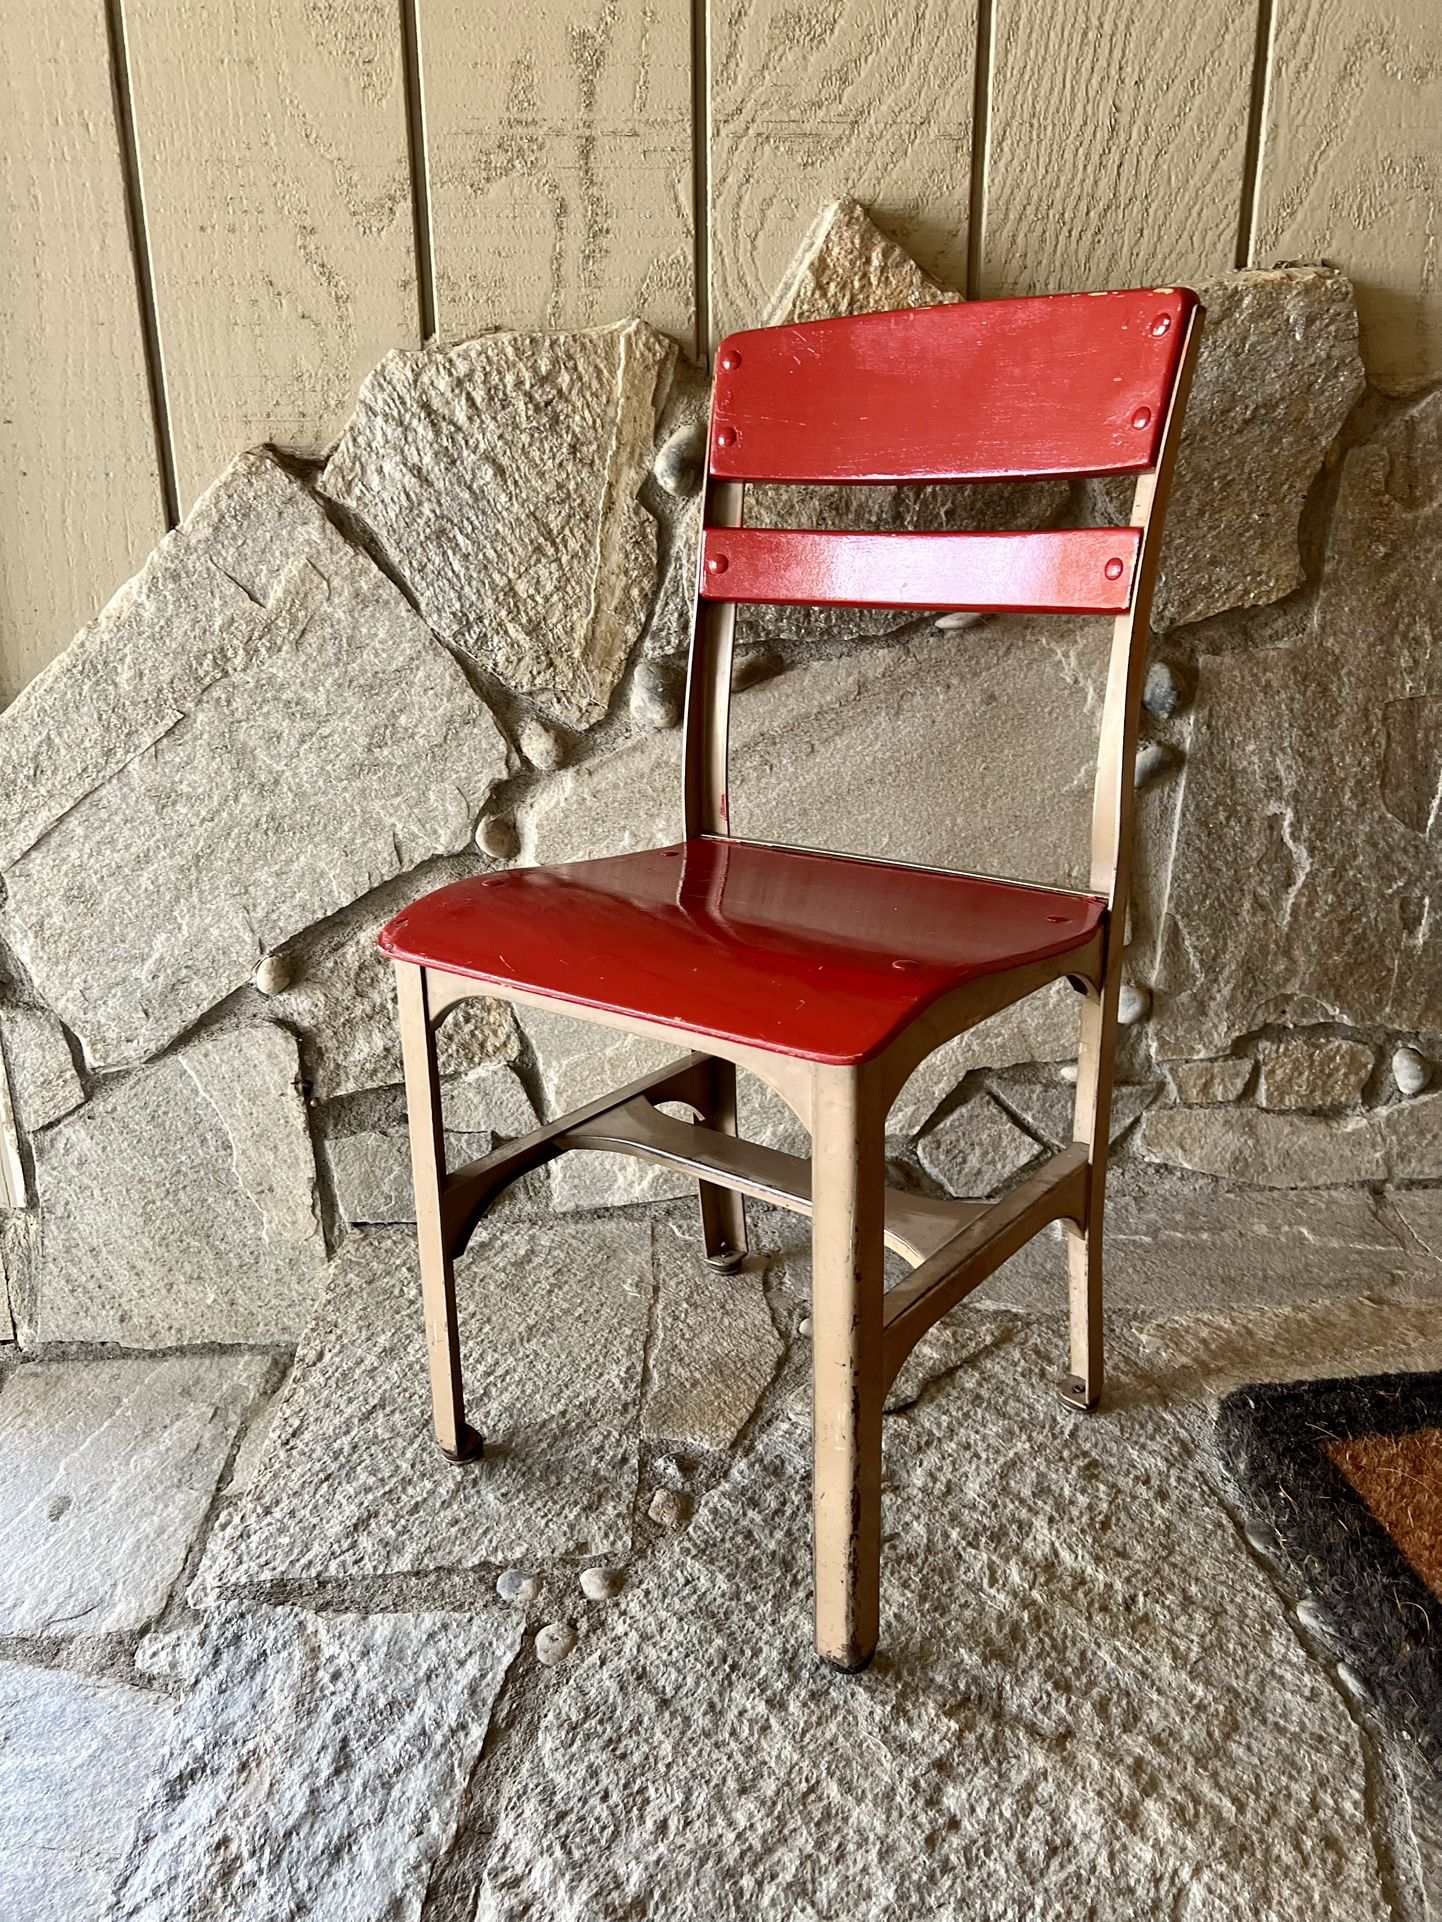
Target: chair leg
[(457, 1440), (1083, 1387), (723, 1211), (848, 1175)]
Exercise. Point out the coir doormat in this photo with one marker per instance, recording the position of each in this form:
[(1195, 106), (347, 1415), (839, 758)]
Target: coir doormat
[(1348, 1477)]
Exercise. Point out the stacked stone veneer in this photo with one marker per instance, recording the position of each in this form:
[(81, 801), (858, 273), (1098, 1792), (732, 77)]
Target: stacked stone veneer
[(460, 642)]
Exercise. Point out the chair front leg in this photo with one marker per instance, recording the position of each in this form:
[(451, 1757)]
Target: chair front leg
[(848, 1176), (458, 1441), (723, 1211), (1095, 1057)]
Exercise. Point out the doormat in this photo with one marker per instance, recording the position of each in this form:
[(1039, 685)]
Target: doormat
[(1348, 1477)]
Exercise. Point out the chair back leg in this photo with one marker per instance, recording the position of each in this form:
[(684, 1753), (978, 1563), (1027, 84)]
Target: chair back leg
[(723, 1210), (848, 1176), (456, 1438)]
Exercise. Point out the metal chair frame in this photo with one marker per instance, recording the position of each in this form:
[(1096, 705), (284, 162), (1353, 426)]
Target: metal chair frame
[(861, 1334)]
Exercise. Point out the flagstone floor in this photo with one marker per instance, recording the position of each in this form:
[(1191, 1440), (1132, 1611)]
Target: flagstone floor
[(263, 1654)]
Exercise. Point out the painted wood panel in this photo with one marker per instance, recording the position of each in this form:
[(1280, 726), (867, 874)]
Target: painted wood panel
[(813, 102), (275, 170), (1117, 138), (1351, 168), (80, 496), (559, 152)]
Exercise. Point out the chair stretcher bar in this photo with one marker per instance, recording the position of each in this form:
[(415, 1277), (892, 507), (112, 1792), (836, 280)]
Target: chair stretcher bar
[(1058, 1189), (953, 1245), (626, 1122)]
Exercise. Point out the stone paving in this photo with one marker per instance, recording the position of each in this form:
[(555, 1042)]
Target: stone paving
[(264, 1655)]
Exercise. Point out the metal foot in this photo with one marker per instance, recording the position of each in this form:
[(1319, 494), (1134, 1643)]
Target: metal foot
[(472, 1447), (727, 1260), (1073, 1392), (848, 1668)]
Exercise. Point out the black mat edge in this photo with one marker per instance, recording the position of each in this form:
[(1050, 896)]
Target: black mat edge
[(1384, 1620)]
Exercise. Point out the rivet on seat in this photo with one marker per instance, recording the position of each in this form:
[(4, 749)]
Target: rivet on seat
[(1162, 325), (1113, 569), (716, 563), (725, 436), (1142, 417), (730, 360)]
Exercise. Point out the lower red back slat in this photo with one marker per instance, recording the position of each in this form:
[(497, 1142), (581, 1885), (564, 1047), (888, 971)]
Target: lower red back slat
[(1080, 570)]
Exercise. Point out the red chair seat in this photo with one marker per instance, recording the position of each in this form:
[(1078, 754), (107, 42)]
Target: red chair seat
[(826, 957)]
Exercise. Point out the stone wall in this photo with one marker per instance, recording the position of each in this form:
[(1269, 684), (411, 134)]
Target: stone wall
[(459, 642)]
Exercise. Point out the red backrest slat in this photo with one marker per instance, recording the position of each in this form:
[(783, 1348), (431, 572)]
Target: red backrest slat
[(983, 390), (1079, 570)]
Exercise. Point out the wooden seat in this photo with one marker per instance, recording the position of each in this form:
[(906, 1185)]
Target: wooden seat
[(819, 956), (832, 977)]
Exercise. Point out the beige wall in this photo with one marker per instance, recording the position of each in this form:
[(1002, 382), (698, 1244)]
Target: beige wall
[(222, 212)]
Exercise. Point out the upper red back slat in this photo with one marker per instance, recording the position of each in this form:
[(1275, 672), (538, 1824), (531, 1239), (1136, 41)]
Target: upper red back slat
[(984, 390)]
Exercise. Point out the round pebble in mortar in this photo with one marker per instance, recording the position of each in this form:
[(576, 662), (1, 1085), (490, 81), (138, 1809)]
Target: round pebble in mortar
[(554, 1643), (274, 975), (542, 746), (672, 1471), (1311, 1616), (1352, 1682), (515, 1585), (1410, 1070), (497, 837), (677, 466), (669, 1508), (1261, 1541), (1133, 1004), (1161, 695), (656, 695), (600, 1584)]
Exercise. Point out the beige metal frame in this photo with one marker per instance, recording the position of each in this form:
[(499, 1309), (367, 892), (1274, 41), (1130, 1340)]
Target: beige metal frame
[(861, 1334)]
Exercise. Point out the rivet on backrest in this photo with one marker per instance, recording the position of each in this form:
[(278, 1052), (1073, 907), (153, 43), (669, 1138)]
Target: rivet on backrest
[(730, 360), (1162, 325), (716, 563), (725, 436), (1142, 417), (1113, 569)]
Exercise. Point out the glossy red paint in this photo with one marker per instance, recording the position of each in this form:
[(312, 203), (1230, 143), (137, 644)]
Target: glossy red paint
[(1080, 570), (983, 390), (826, 957)]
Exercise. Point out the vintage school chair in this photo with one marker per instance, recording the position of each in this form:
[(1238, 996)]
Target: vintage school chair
[(828, 976)]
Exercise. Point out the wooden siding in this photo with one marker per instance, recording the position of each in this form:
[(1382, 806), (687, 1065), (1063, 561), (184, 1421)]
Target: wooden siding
[(81, 500), (1351, 167), (1126, 120), (558, 158), (810, 102), (274, 169), (221, 213)]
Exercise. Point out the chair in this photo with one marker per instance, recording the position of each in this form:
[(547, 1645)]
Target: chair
[(829, 976)]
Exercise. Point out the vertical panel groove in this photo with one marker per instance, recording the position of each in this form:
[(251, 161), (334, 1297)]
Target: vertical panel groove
[(980, 150), (420, 167), (1254, 153), (701, 171), (140, 256)]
